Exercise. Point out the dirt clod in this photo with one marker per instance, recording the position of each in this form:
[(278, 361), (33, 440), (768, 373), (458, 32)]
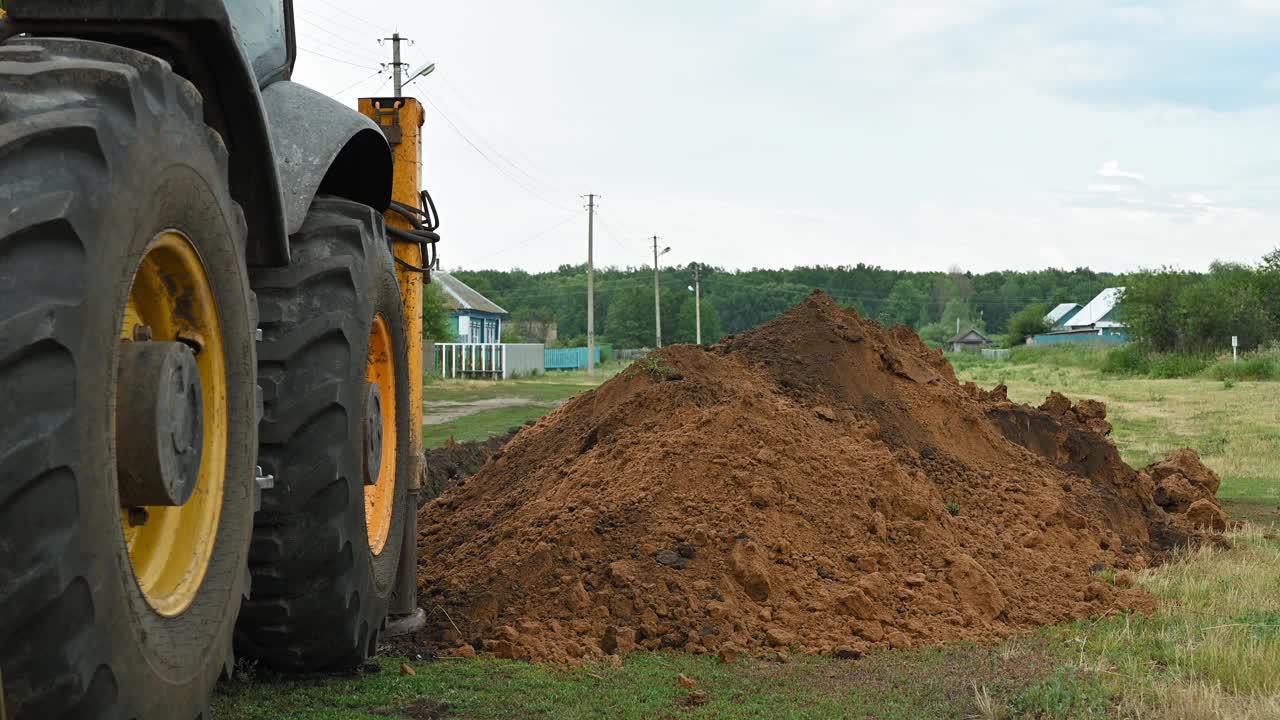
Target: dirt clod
[(790, 489)]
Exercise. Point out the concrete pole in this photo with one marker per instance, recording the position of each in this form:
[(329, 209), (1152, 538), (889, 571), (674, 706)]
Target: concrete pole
[(591, 286), (657, 297), (697, 304)]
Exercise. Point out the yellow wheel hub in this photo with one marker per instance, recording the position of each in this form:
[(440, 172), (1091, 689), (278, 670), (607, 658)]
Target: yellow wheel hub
[(170, 300), (379, 498)]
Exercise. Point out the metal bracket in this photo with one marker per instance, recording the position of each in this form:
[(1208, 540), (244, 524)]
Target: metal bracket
[(393, 132), (265, 481)]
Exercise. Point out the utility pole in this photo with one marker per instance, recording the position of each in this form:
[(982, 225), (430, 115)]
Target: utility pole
[(697, 304), (395, 62), (657, 297), (591, 286)]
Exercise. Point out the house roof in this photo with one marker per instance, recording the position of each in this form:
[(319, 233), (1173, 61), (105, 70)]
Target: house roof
[(1096, 311), (460, 296), (1061, 311), (972, 335)]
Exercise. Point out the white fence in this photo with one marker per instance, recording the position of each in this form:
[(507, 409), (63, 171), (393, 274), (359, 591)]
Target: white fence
[(995, 353), (491, 360)]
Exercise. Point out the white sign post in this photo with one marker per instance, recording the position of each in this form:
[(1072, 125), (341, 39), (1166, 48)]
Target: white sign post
[(1235, 343)]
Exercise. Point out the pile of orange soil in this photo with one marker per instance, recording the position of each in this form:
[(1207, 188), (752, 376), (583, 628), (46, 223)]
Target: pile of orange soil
[(820, 483)]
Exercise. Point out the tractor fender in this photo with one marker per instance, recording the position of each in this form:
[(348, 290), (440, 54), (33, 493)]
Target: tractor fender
[(324, 146)]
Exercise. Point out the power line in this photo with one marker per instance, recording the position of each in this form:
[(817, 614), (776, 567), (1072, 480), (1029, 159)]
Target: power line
[(344, 11), (491, 161), (345, 89), (608, 230), (330, 57), (335, 48), (349, 46), (527, 240), (461, 119)]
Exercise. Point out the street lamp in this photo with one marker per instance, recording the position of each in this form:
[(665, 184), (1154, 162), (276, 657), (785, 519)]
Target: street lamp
[(423, 71)]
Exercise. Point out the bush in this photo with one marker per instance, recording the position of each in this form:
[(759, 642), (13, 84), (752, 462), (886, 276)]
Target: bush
[(966, 360), (1126, 360), (1175, 365), (1090, 355), (1261, 365)]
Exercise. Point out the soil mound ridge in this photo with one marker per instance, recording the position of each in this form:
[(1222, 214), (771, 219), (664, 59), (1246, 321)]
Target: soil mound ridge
[(819, 483)]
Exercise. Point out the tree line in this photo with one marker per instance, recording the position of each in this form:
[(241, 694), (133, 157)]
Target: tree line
[(736, 300), (1174, 311), (1168, 310)]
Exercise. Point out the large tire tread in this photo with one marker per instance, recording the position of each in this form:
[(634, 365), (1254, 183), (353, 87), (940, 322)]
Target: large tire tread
[(314, 605), (69, 112)]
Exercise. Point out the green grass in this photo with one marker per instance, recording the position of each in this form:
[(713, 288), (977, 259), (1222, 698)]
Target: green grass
[(1236, 430), (1090, 355), (542, 393), (946, 682), (549, 387), (482, 425), (1211, 650)]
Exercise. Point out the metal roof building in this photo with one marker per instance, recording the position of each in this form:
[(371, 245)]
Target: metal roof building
[(1101, 312), (460, 296), (1060, 315)]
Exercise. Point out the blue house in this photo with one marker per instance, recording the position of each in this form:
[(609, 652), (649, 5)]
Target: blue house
[(1101, 320), (473, 317)]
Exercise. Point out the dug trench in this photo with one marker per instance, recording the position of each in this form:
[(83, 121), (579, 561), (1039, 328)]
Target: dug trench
[(818, 484)]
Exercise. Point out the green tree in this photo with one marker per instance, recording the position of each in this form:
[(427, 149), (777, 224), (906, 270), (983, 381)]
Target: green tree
[(686, 323), (629, 323), (1152, 307), (904, 304), (958, 310), (936, 334), (1227, 302), (1026, 322), (1271, 261), (436, 326)]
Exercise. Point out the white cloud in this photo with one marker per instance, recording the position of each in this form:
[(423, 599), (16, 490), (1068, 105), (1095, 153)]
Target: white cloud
[(1111, 169), (1111, 188)]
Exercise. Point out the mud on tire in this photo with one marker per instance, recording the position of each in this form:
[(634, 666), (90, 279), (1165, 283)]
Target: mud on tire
[(320, 593)]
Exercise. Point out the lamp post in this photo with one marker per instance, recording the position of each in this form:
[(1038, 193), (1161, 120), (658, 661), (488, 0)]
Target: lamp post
[(657, 298), (697, 304)]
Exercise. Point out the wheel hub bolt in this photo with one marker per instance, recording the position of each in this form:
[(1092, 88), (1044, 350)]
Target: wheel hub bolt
[(138, 516)]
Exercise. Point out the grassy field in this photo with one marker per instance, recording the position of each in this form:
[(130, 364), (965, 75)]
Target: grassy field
[(1212, 649), (539, 396), (1234, 426)]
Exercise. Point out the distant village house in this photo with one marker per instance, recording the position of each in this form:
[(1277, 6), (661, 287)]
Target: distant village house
[(1101, 320), (971, 341), (474, 318)]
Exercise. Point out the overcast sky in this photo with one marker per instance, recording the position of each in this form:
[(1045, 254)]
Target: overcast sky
[(987, 134)]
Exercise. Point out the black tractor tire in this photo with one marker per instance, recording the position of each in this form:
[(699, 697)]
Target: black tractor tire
[(102, 148), (320, 593)]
